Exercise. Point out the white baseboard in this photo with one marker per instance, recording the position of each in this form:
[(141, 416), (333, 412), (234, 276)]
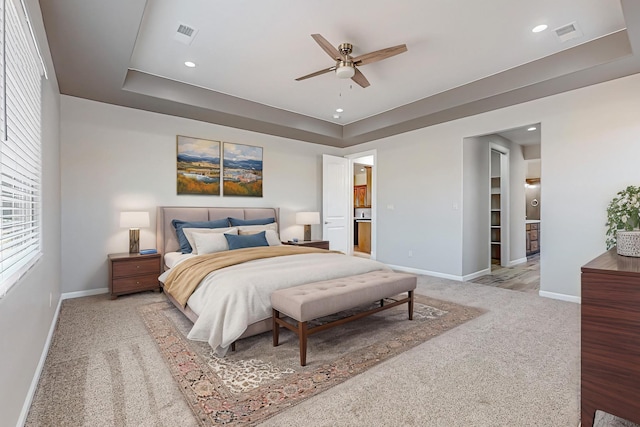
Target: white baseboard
[(36, 376), (425, 272), (561, 297), (476, 274), (79, 294), (517, 262)]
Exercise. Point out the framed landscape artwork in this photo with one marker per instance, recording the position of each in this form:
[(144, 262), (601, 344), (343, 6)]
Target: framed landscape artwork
[(198, 166), (242, 169)]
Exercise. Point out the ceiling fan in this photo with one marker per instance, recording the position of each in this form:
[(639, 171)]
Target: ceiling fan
[(345, 67)]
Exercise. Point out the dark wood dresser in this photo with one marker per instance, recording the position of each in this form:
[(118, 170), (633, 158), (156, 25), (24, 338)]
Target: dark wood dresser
[(610, 336)]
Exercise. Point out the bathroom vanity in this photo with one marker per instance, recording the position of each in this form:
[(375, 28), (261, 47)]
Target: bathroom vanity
[(533, 236)]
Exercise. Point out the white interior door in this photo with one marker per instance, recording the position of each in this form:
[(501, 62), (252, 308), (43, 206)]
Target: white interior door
[(335, 202)]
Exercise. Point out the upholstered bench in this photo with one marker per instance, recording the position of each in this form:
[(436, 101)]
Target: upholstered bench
[(314, 300)]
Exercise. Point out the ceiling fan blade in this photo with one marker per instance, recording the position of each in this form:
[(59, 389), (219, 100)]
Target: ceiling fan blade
[(359, 78), (317, 73), (379, 55), (327, 47)]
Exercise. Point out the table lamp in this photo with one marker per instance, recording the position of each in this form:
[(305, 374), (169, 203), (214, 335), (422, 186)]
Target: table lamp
[(306, 219), (134, 221)]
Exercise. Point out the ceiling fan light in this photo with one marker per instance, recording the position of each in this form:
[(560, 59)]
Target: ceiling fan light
[(345, 71)]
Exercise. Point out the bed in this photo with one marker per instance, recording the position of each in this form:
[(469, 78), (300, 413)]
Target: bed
[(233, 301)]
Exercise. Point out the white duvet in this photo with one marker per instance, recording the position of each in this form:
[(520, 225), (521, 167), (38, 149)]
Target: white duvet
[(230, 299)]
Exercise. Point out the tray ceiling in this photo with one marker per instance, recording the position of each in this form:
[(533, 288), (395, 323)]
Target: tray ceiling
[(463, 58)]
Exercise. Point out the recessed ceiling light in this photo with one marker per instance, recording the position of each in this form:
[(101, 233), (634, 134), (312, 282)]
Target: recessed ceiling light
[(539, 28), (339, 110), (336, 116), (190, 64), (532, 128)]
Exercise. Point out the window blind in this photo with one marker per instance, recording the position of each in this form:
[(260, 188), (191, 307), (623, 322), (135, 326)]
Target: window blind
[(20, 151)]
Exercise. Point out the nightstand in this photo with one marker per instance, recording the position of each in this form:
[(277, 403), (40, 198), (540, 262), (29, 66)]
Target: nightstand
[(129, 273), (322, 244)]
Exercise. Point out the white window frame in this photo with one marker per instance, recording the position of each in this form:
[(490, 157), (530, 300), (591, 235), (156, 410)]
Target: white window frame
[(21, 69)]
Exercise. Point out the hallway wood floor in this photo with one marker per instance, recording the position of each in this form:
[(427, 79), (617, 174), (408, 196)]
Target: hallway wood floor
[(524, 277)]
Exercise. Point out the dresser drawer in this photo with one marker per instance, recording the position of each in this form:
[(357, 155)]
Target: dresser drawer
[(136, 267), (136, 283)]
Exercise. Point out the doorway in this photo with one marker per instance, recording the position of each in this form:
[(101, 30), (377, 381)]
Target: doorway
[(363, 171), (339, 197), (508, 229)]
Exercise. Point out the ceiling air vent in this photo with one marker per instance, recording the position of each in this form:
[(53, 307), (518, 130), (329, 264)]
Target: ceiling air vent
[(185, 33), (568, 32)]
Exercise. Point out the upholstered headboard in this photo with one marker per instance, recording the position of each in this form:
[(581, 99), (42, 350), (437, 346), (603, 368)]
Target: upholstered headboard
[(166, 238)]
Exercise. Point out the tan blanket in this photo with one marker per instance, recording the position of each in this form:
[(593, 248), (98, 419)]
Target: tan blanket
[(185, 277)]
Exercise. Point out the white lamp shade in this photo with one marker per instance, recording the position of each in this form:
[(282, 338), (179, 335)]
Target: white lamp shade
[(308, 218), (134, 219)]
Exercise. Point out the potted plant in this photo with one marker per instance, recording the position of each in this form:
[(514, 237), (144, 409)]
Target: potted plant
[(623, 222)]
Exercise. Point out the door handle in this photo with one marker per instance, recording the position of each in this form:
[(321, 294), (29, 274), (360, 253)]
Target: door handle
[(327, 222)]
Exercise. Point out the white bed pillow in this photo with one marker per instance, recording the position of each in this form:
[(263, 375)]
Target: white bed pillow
[(209, 243), (171, 259), (188, 233), (271, 232), (272, 238)]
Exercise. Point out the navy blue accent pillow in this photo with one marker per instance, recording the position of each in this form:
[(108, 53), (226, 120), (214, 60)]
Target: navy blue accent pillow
[(260, 221), (246, 240), (178, 224)]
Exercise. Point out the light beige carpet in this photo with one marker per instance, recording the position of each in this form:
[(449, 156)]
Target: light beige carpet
[(258, 380), (515, 365)]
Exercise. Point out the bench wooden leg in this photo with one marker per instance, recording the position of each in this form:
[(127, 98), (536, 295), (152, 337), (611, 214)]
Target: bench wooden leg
[(410, 305), (233, 346), (275, 314), (302, 335)]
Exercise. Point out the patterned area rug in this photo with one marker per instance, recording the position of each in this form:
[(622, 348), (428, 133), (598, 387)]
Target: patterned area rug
[(258, 380)]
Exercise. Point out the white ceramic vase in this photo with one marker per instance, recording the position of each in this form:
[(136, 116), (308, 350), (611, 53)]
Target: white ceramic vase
[(628, 243)]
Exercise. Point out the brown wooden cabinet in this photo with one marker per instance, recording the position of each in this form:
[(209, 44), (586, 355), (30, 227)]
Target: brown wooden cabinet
[(362, 193), (322, 244), (533, 238), (129, 273), (360, 196), (364, 236), (610, 337)]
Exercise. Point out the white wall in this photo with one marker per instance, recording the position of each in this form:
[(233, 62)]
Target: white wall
[(116, 159), (475, 206), (534, 169), (419, 200), (590, 150), (475, 235), (25, 312), (531, 152), (359, 178)]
